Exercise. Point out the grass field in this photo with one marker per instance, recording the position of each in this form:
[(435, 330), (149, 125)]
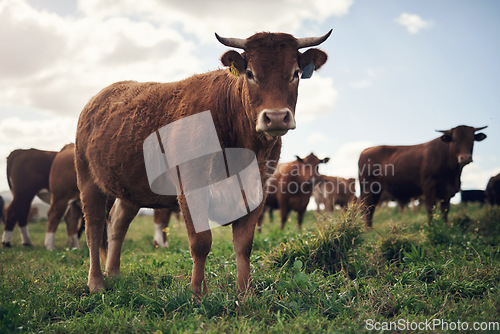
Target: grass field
[(334, 277)]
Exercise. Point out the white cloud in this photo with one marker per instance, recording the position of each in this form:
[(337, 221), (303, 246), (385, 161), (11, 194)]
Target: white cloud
[(55, 64), (473, 177), (235, 18), (316, 97), (413, 23), (345, 160), (47, 134)]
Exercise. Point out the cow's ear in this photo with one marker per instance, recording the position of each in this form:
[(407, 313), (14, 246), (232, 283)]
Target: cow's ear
[(479, 136), (299, 159), (325, 160), (235, 61), (446, 137), (310, 61)]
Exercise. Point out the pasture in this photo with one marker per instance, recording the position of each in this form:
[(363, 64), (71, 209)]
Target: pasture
[(333, 277)]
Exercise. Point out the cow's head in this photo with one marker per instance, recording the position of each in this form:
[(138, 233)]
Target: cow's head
[(461, 140), (309, 167), (270, 67)]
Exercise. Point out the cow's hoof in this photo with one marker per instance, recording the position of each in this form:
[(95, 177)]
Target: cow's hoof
[(28, 245), (96, 287), (6, 244)]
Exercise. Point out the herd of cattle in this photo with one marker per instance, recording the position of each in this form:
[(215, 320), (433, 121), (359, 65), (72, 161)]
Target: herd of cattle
[(100, 182)]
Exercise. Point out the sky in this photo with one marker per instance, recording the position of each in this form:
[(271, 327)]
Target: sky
[(397, 70)]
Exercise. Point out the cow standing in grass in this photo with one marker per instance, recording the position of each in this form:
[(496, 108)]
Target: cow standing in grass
[(28, 176), (333, 191), (65, 199), (404, 172), (291, 186), (252, 105)]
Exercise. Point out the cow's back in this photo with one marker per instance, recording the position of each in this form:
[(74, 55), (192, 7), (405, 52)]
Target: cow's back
[(28, 170)]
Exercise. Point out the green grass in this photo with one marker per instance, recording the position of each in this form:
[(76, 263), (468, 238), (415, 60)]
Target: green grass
[(333, 277)]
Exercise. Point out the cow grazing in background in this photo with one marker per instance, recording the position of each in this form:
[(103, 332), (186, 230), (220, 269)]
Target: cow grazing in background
[(161, 220), (470, 196), (2, 205), (65, 198), (493, 190), (333, 191), (291, 187), (432, 169), (28, 176), (252, 104)]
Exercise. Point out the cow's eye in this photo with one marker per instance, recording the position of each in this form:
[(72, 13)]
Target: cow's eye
[(295, 76), (249, 74)]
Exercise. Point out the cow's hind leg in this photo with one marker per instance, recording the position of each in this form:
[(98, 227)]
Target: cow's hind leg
[(122, 213), (93, 201), (73, 225), (56, 211)]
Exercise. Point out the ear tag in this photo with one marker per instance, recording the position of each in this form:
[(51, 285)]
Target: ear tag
[(234, 70), (308, 71)]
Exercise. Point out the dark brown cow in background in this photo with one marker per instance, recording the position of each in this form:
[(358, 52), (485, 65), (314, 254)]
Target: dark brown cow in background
[(251, 105), (291, 186), (404, 172), (493, 190), (333, 191), (28, 176), (2, 205)]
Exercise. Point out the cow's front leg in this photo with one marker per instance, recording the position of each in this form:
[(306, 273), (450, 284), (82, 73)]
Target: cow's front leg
[(243, 233), (445, 208)]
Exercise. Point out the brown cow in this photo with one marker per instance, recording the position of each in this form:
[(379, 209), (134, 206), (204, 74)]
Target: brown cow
[(493, 190), (65, 198), (432, 169), (291, 187), (251, 105), (28, 176), (333, 191)]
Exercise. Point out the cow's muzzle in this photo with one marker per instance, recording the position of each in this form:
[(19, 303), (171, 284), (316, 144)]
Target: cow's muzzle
[(464, 159), (275, 122)]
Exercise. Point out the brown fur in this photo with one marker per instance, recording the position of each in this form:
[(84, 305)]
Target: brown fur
[(333, 191), (64, 192), (405, 172), (292, 185), (114, 124)]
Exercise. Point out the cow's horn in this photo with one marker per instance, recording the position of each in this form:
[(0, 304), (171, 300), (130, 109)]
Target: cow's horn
[(232, 42), (312, 41), (477, 129)]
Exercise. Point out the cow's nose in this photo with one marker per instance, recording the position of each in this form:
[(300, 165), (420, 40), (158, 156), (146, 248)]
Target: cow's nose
[(276, 122), (464, 159)]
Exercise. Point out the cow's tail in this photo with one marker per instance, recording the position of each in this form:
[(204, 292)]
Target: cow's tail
[(10, 161)]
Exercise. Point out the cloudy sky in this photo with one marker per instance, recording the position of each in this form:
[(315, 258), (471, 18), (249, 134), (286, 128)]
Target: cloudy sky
[(397, 70)]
